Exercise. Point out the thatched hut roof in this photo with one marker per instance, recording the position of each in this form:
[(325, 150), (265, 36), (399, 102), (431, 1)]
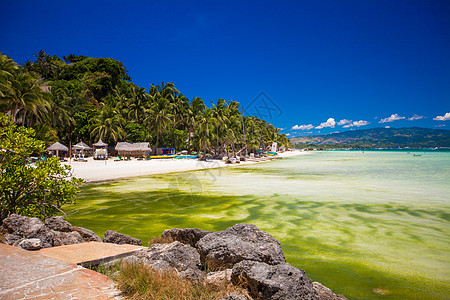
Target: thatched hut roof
[(81, 146), (100, 143), (57, 147), (124, 146)]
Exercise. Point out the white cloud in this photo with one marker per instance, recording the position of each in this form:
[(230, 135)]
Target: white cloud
[(392, 118), (344, 122), (329, 123), (445, 117), (357, 124), (415, 117), (288, 134), (360, 123), (303, 127), (443, 125), (387, 127)]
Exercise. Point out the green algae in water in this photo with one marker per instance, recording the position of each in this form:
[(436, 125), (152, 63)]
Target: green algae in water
[(373, 225)]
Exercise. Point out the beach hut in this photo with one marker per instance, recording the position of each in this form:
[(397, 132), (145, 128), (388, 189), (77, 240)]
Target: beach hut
[(81, 147), (101, 151), (133, 149), (56, 147)]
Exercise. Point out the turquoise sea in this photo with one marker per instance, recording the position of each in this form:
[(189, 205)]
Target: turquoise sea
[(369, 225)]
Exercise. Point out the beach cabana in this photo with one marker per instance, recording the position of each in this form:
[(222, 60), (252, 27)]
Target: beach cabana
[(56, 147), (81, 147), (101, 151), (133, 149)]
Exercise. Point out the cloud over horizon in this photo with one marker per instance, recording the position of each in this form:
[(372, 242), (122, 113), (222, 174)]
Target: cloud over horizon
[(445, 117), (302, 127), (415, 117), (392, 118), (329, 123), (357, 124)]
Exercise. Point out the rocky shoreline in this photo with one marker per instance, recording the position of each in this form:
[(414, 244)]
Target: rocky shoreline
[(241, 254)]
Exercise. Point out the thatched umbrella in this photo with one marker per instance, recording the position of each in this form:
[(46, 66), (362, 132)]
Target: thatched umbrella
[(100, 144), (81, 146), (57, 147)]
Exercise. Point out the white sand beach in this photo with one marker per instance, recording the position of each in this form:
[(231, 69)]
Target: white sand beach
[(100, 170)]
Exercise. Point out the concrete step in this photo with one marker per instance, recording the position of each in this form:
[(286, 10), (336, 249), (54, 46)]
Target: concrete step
[(90, 254)]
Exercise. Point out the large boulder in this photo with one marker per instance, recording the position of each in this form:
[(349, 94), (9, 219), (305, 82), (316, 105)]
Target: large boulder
[(21, 225), (162, 257), (325, 293), (66, 238), (46, 236), (58, 224), (119, 238), (223, 249), (87, 235), (10, 239), (30, 244), (189, 236), (282, 281)]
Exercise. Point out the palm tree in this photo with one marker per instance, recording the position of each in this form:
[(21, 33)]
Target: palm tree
[(158, 117), (108, 125), (197, 107), (206, 120), (8, 69), (221, 119)]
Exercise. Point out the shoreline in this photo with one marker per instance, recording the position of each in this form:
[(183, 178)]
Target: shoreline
[(98, 171)]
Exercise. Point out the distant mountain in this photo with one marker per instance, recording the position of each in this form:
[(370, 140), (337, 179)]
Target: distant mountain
[(413, 137)]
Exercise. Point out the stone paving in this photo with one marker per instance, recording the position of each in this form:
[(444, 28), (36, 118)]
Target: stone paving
[(49, 275)]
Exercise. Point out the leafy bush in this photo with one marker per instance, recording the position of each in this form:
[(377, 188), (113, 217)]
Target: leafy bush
[(37, 190)]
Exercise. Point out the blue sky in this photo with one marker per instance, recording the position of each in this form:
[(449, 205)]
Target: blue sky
[(315, 66)]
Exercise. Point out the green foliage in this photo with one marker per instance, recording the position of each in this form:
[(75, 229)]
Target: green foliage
[(32, 190)]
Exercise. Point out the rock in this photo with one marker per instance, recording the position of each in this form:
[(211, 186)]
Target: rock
[(234, 296), (219, 277), (225, 248), (325, 293), (119, 238), (264, 281), (10, 239), (183, 258), (189, 236), (87, 235), (66, 238), (21, 225), (58, 224), (30, 244), (46, 236)]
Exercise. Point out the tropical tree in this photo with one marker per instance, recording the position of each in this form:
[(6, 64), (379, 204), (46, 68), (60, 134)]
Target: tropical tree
[(37, 191), (206, 121), (108, 125), (158, 117), (8, 68)]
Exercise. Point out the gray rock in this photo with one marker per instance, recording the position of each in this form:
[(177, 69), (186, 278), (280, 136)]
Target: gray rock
[(58, 224), (325, 293), (30, 244), (10, 239), (282, 281), (234, 296), (119, 238), (87, 235), (189, 236), (66, 238), (46, 236), (21, 225), (183, 258), (225, 248)]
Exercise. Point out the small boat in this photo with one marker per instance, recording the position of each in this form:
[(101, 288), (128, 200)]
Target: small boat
[(162, 156), (186, 156), (271, 154)]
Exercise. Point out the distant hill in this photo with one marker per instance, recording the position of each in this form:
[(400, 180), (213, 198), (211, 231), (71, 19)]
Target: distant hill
[(413, 137)]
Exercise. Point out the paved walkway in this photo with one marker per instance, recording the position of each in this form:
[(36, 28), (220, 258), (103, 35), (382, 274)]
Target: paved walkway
[(56, 273)]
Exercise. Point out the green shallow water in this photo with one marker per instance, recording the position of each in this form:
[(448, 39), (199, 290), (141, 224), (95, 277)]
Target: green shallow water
[(368, 225)]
